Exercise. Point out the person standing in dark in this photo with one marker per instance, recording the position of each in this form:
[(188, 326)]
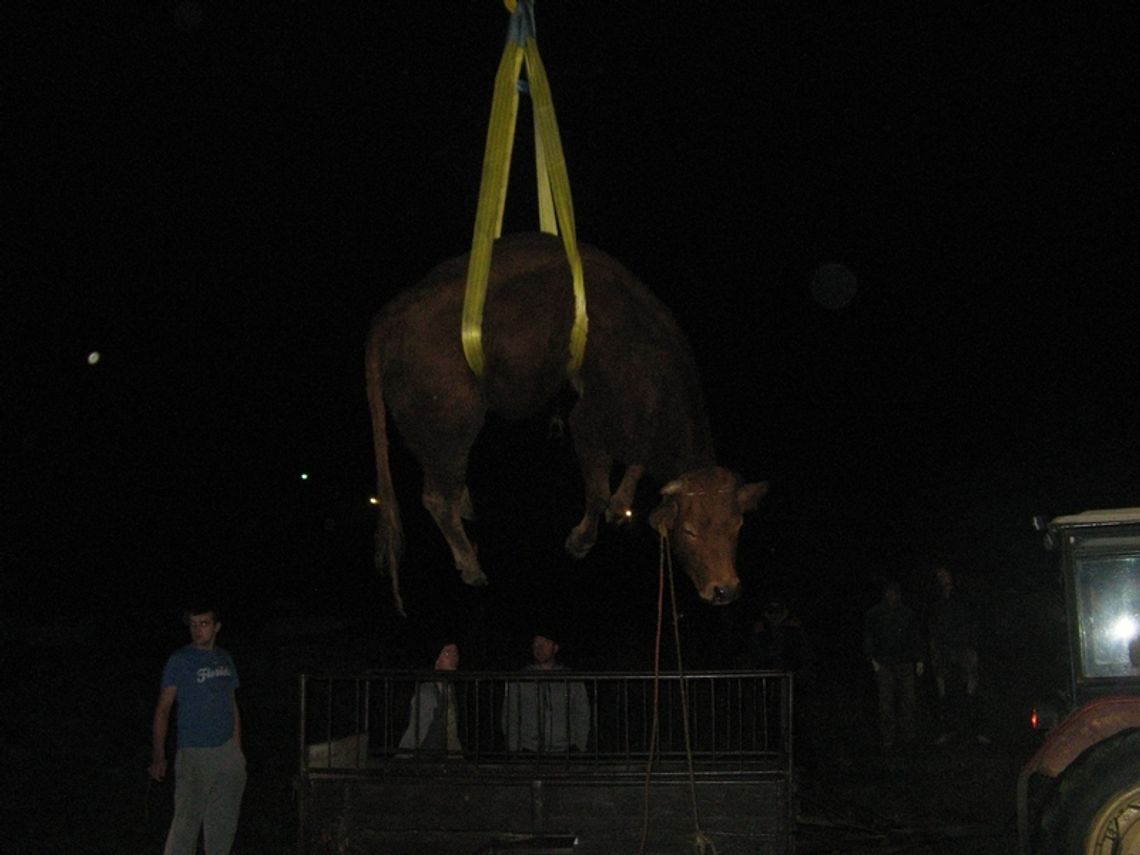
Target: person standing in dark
[(209, 766), (893, 648), (433, 714), (548, 716), (953, 630), (779, 642)]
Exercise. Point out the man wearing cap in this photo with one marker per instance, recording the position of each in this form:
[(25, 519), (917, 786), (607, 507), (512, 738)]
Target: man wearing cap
[(547, 715)]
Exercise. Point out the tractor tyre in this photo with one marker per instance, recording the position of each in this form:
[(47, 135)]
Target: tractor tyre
[(1095, 809)]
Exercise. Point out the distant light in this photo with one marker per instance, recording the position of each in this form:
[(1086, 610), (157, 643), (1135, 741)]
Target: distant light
[(304, 476), (1124, 628), (373, 500), (93, 357), (629, 513)]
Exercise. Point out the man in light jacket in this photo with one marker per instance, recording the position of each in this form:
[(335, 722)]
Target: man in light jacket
[(548, 715)]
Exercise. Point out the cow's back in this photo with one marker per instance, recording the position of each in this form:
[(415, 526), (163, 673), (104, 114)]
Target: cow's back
[(637, 370)]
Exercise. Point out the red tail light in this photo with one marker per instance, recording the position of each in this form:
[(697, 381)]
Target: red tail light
[(1034, 720)]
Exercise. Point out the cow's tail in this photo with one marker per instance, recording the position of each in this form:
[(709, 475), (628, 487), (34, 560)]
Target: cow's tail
[(389, 531)]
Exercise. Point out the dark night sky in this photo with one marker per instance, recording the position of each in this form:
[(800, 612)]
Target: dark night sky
[(216, 197)]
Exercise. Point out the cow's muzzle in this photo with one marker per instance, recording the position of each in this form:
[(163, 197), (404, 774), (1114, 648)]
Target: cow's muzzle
[(722, 595)]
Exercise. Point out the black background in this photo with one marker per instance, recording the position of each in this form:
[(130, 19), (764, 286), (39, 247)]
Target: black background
[(216, 198)]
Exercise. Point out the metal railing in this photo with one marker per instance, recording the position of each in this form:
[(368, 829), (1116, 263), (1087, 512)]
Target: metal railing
[(737, 721)]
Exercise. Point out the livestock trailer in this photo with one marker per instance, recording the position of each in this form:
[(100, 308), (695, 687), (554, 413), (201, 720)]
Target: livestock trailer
[(672, 764)]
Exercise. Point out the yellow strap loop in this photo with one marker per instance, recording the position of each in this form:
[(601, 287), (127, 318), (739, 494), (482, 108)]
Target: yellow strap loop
[(555, 204)]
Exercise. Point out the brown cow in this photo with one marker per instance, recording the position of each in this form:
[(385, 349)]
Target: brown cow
[(639, 404)]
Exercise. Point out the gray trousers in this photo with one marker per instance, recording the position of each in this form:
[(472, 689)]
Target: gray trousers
[(208, 785)]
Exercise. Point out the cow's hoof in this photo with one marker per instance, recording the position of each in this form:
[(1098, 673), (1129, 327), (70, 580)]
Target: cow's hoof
[(579, 545), (475, 578), (619, 516)]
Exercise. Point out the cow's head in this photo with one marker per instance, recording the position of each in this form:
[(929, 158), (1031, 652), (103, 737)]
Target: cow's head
[(702, 512)]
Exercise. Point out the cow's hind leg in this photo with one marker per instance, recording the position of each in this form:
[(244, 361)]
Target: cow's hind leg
[(440, 416), (446, 498)]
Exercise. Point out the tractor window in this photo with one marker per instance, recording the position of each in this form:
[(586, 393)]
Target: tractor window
[(1108, 610)]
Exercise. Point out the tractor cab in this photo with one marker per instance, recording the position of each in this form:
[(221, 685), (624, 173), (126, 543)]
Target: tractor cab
[(1100, 570), (1080, 792)]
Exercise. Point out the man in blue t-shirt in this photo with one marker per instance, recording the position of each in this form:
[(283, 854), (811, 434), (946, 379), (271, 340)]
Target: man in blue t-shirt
[(209, 766)]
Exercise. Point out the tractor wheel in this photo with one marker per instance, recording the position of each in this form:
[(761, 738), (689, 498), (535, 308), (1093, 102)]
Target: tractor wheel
[(1096, 808)]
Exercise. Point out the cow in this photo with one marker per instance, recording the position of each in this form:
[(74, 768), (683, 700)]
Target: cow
[(639, 403)]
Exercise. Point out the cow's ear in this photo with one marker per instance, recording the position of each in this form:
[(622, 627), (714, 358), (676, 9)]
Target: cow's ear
[(664, 516), (748, 496)]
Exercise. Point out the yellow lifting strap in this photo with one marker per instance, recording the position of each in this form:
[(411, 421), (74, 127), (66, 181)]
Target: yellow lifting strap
[(555, 205)]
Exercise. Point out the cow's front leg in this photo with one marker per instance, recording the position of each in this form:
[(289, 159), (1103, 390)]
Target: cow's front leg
[(620, 508), (448, 502), (596, 477)]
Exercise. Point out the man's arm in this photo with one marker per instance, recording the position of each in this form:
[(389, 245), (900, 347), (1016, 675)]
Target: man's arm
[(159, 729), (237, 722)]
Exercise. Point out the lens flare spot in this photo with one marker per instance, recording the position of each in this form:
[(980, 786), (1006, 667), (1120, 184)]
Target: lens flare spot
[(833, 286), (1124, 628)]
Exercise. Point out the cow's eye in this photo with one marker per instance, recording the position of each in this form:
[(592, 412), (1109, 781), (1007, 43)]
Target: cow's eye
[(690, 532)]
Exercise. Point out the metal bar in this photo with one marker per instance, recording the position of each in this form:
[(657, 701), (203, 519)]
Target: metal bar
[(329, 722), (302, 683), (367, 717), (301, 761), (733, 717), (356, 704), (713, 737)]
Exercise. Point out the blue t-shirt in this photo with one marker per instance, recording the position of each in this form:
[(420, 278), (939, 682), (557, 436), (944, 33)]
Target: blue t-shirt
[(206, 680)]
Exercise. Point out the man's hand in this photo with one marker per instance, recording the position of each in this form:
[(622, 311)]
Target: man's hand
[(919, 668), (157, 768), (875, 665)]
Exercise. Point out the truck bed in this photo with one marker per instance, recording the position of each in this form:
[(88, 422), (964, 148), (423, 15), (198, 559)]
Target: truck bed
[(727, 776)]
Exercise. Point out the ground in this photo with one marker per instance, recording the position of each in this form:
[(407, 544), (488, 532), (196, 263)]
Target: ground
[(77, 746), (957, 800)]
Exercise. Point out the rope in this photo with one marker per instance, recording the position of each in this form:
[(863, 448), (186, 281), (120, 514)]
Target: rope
[(702, 845), (656, 692), (684, 691)]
